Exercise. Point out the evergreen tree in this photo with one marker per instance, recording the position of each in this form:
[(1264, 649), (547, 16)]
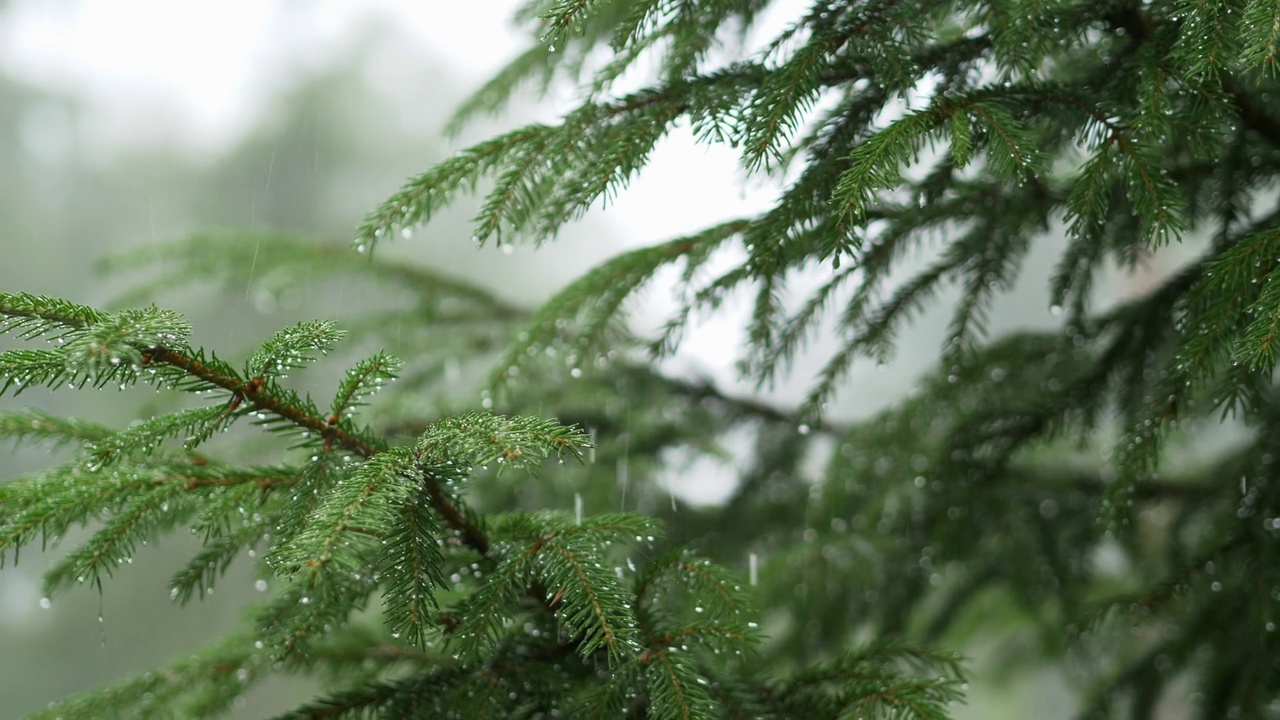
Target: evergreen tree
[(420, 569)]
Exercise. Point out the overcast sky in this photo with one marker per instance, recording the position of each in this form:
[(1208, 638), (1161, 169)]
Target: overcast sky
[(213, 65)]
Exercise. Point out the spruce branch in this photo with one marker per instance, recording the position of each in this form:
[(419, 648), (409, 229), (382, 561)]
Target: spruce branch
[(32, 316), (550, 552), (220, 550), (362, 381), (261, 395), (598, 297), (675, 692), (566, 16), (613, 697), (35, 424), (291, 348), (222, 670), (413, 562), (1254, 117), (141, 440), (534, 64), (139, 518), (137, 502), (338, 537), (917, 149), (721, 593)]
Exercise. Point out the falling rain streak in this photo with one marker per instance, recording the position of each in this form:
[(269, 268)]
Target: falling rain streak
[(622, 482)]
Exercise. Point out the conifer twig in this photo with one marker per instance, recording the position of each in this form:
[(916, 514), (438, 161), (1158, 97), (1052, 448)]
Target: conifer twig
[(254, 392)]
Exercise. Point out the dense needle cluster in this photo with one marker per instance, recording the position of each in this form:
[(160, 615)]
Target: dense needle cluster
[(963, 133)]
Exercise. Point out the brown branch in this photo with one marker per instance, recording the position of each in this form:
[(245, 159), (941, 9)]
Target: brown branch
[(255, 393), (195, 481), (472, 534)]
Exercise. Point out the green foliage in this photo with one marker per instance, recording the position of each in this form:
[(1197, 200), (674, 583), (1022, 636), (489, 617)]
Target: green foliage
[(1059, 485)]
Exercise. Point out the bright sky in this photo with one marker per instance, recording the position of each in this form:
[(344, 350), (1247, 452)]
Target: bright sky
[(211, 65), (209, 69)]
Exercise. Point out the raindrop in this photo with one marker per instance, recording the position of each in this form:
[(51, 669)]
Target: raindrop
[(577, 508), (260, 586), (753, 568), (46, 603), (406, 233), (803, 429)]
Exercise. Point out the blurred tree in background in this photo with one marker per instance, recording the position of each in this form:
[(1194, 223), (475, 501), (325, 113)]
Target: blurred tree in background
[(1100, 497)]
